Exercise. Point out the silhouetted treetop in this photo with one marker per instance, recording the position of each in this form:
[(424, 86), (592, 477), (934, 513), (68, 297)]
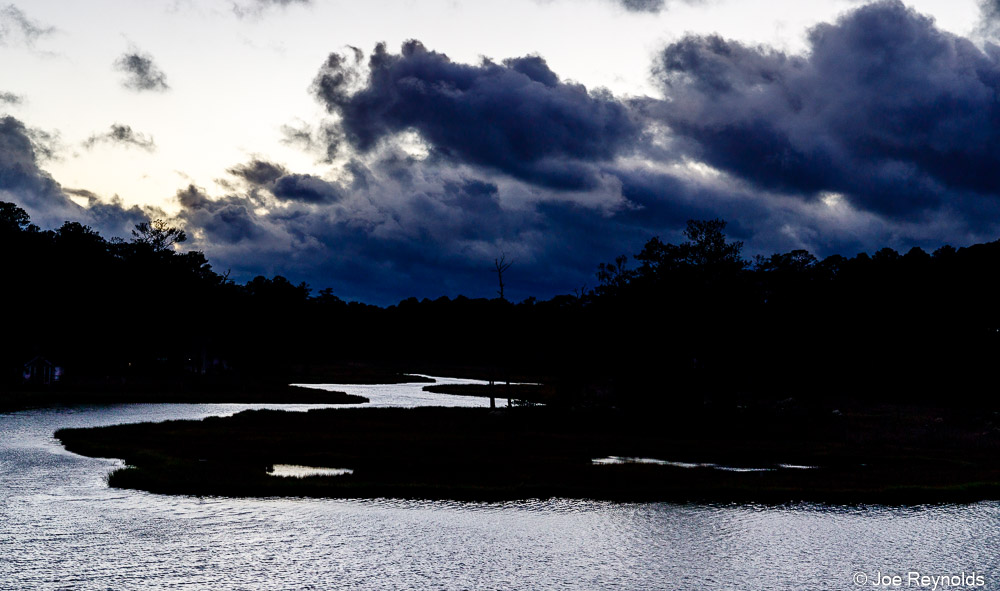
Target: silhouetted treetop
[(706, 253), (707, 245), (14, 219), (796, 261), (158, 235)]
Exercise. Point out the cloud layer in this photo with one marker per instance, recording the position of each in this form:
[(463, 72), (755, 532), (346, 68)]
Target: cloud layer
[(886, 109), (516, 117), (883, 133)]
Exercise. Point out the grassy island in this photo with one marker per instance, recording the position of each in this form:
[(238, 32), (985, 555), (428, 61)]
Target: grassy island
[(884, 454)]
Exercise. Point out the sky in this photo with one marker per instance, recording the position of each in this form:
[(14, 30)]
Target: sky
[(396, 148)]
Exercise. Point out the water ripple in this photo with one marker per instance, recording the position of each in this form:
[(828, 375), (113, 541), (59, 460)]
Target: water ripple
[(62, 528)]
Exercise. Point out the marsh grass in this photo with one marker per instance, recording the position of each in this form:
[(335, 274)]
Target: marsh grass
[(899, 455)]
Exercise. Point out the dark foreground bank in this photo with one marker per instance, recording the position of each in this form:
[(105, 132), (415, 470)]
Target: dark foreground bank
[(879, 455)]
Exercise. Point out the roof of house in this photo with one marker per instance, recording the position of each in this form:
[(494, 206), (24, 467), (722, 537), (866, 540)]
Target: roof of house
[(38, 359)]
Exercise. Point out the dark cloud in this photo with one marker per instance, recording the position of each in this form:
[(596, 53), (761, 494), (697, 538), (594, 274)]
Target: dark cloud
[(19, 172), (9, 98), (401, 227), (222, 222), (16, 27), (885, 108), (516, 117), (141, 74), (437, 230), (378, 242), (306, 189), (24, 183), (259, 172), (286, 187), (121, 135)]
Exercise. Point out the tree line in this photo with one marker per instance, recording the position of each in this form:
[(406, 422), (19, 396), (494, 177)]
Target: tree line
[(673, 325)]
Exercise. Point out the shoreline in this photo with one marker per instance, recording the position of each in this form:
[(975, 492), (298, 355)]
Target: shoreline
[(23, 400), (518, 393), (521, 453)]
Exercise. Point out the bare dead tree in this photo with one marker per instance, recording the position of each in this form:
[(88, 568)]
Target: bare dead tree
[(501, 265)]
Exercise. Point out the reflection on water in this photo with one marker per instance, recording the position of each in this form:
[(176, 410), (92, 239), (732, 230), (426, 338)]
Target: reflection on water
[(61, 527), (294, 471), (406, 395), (621, 460)]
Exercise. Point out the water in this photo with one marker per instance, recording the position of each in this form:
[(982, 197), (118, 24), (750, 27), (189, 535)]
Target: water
[(297, 471), (406, 395), (61, 527)]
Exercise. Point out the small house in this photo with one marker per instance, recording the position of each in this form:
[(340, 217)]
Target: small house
[(41, 371)]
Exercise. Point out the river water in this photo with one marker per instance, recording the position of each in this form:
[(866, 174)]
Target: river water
[(61, 527)]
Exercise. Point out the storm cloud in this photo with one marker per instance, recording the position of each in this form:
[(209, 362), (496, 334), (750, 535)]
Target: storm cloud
[(392, 228), (141, 74), (307, 189), (517, 117), (884, 108), (396, 226), (121, 135), (221, 222)]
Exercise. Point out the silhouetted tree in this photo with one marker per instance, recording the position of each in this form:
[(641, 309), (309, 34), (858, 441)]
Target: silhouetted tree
[(158, 235), (707, 246), (706, 251), (613, 277), (14, 219), (794, 262), (501, 265)]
